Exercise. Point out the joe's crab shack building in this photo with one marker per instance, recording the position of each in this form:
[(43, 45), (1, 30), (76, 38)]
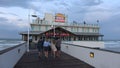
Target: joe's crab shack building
[(58, 26)]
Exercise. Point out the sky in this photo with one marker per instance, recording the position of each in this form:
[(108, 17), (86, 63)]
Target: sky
[(14, 14)]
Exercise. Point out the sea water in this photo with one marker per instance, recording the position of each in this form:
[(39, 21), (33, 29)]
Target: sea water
[(6, 43), (112, 45)]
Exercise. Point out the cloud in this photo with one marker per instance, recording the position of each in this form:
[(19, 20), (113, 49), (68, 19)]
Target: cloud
[(9, 29), (15, 3), (77, 10), (110, 27), (91, 17), (2, 13), (52, 6), (12, 14), (91, 2), (10, 34), (3, 19), (14, 19), (73, 8), (11, 25)]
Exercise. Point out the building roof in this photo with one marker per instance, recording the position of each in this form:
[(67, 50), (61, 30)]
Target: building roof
[(61, 29), (31, 32), (91, 34), (74, 33)]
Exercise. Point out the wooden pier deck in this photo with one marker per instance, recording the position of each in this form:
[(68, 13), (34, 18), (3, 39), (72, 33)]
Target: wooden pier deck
[(31, 60)]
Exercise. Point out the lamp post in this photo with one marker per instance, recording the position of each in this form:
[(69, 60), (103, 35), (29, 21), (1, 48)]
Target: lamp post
[(29, 29), (53, 27), (28, 32)]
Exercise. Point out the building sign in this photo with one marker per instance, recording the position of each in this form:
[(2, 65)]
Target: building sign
[(60, 17), (57, 34)]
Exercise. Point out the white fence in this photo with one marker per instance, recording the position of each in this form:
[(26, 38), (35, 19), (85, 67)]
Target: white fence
[(11, 57), (100, 58), (94, 44)]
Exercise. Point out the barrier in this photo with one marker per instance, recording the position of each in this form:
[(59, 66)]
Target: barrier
[(9, 57), (96, 57)]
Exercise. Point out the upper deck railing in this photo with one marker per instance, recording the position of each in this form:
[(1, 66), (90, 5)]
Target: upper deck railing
[(64, 24)]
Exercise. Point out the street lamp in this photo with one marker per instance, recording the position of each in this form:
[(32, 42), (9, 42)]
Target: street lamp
[(53, 27), (29, 30), (34, 15)]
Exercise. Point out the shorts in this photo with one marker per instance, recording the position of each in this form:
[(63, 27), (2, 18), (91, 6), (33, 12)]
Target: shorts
[(49, 48), (46, 48), (58, 48), (39, 48)]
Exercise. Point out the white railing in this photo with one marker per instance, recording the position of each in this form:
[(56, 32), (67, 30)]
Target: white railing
[(93, 44), (65, 24), (10, 56), (98, 58)]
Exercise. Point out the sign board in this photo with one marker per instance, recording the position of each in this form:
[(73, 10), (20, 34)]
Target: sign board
[(57, 34), (60, 18)]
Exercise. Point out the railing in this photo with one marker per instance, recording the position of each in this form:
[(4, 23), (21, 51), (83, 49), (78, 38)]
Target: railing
[(65, 24), (99, 58), (10, 56)]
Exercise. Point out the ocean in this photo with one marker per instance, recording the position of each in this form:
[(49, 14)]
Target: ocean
[(6, 43), (112, 45)]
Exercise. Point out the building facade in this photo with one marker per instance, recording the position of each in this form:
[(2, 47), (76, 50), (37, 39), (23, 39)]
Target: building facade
[(58, 26)]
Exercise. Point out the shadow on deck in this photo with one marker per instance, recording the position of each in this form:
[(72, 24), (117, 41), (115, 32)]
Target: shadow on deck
[(31, 60)]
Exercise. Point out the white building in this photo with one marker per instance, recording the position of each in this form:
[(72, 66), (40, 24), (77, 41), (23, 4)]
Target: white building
[(57, 25)]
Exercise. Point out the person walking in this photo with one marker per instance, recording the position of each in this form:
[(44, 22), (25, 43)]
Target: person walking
[(46, 47), (58, 46), (40, 47), (53, 47)]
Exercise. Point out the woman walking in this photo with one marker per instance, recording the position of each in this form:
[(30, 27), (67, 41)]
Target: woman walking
[(53, 47), (46, 47)]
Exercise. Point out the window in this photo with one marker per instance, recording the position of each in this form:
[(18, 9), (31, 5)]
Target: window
[(39, 28), (32, 28), (82, 29), (77, 29), (87, 29), (46, 27), (93, 30), (72, 29)]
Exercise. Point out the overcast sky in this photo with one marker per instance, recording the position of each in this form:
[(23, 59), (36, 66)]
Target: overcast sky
[(14, 14)]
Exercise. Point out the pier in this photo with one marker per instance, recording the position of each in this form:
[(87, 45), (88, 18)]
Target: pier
[(73, 55), (31, 60)]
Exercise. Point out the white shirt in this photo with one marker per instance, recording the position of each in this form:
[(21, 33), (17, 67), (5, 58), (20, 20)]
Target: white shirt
[(46, 44)]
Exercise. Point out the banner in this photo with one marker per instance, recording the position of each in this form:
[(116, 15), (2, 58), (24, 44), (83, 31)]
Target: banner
[(60, 17)]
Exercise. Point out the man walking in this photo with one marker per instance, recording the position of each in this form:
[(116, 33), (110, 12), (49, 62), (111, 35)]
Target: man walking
[(58, 46)]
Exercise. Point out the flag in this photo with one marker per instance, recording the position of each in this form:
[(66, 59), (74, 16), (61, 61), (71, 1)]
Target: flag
[(97, 21), (84, 22)]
